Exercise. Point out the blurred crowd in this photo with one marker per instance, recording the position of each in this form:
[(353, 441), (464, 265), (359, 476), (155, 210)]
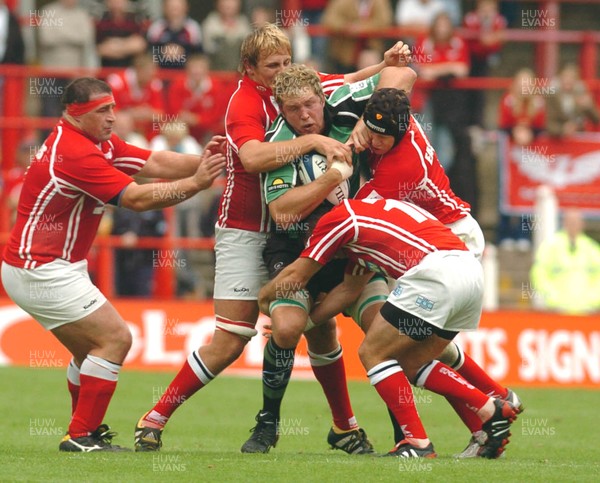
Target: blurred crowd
[(166, 61)]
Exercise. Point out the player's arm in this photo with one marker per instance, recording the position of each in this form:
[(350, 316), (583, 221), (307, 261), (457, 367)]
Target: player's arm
[(172, 165), (154, 196), (300, 201), (294, 277), (397, 56), (340, 297), (397, 77), (261, 156)]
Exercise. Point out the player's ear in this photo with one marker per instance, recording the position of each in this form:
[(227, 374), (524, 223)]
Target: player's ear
[(248, 68)]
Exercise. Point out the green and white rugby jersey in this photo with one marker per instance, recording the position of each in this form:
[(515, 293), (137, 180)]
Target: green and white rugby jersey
[(343, 108)]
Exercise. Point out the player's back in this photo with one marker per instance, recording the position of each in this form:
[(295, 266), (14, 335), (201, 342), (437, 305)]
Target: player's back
[(250, 111), (382, 235), (411, 171)]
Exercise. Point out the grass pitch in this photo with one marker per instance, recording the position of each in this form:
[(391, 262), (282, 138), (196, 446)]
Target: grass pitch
[(555, 439)]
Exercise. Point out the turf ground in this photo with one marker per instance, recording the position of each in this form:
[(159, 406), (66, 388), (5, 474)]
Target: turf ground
[(555, 439)]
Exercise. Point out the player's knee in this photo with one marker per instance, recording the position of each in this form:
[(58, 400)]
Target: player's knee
[(119, 343), (325, 331), (323, 338), (232, 352), (227, 346), (287, 337)]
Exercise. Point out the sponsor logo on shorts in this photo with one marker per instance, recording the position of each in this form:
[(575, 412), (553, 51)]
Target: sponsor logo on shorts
[(397, 291), (241, 290), (85, 307), (425, 303)]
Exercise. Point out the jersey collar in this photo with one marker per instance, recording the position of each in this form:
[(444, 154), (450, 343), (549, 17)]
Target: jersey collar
[(264, 92), (68, 125)]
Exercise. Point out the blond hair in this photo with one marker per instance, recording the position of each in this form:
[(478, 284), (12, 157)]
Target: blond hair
[(296, 81), (264, 41)]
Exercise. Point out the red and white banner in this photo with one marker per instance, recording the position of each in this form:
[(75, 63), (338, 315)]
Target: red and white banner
[(570, 166), (516, 348)]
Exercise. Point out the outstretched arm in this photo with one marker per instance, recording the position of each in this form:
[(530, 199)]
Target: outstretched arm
[(397, 77), (396, 56), (153, 196), (172, 165)]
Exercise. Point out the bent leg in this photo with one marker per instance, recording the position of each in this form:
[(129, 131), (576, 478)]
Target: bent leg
[(99, 343), (203, 364)]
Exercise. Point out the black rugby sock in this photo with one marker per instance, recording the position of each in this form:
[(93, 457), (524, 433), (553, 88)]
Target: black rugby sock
[(277, 369)]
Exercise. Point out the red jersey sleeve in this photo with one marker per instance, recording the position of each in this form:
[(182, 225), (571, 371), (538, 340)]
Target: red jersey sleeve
[(127, 157), (334, 230), (93, 175), (330, 82), (244, 123)]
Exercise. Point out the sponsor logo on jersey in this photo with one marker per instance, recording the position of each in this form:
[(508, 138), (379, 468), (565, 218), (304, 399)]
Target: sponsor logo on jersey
[(278, 184)]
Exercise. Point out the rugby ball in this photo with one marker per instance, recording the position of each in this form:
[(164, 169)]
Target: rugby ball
[(313, 165)]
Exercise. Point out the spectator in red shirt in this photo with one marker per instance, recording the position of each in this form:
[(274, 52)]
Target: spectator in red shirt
[(487, 27), (139, 91), (442, 57), (522, 109), (119, 35), (523, 117), (199, 99)]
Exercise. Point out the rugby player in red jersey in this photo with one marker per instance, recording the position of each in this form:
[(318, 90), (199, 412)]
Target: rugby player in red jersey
[(438, 294), (405, 166), (80, 168), (241, 236)]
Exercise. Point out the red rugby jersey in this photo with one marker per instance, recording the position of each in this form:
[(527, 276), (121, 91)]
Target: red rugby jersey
[(412, 172), (251, 110), (455, 50), (386, 236), (64, 192)]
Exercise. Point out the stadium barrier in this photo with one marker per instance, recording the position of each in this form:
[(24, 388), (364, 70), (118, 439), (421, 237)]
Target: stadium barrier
[(516, 348)]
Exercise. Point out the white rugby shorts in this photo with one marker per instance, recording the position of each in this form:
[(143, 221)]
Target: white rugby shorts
[(54, 294), (444, 289), (240, 270), (469, 231)]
